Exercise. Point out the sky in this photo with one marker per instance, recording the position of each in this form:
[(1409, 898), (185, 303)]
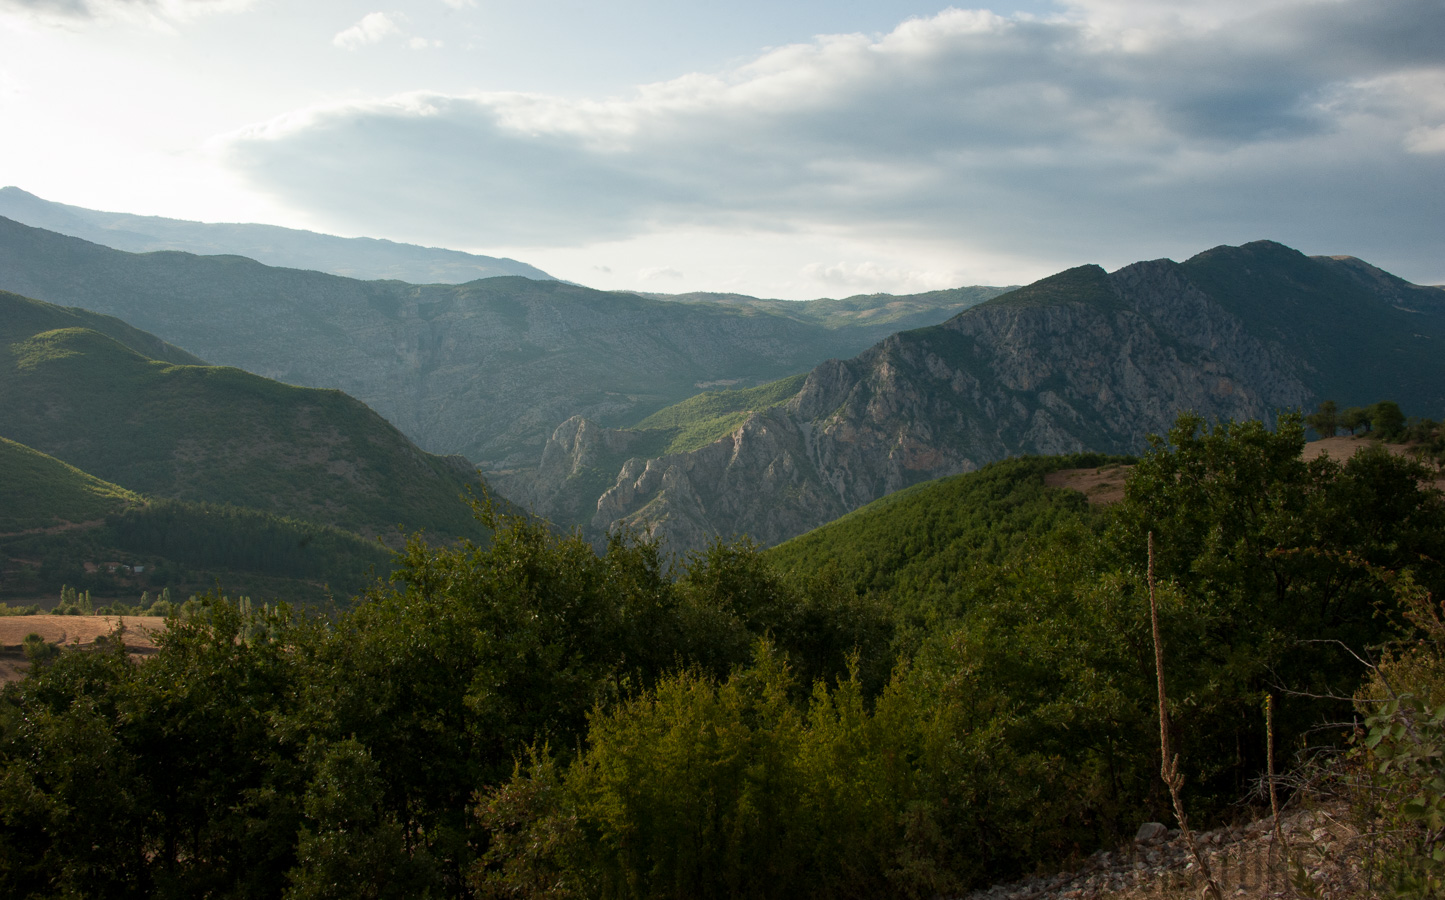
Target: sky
[(779, 149)]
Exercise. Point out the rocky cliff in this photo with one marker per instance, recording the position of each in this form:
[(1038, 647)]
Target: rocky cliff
[(1084, 360)]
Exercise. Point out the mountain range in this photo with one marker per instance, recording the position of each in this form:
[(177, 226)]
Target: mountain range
[(700, 415), (485, 369), (1084, 360)]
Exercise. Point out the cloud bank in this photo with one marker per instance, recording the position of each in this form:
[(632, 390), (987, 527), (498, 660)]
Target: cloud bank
[(1114, 125)]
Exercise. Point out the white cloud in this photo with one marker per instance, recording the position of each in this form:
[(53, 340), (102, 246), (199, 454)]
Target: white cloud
[(153, 11), (1078, 136), (421, 43), (460, 4), (870, 276), (658, 272), (373, 28)]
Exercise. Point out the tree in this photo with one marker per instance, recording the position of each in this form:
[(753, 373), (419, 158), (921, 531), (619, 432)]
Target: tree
[(1355, 417), (1388, 419), (1325, 420)]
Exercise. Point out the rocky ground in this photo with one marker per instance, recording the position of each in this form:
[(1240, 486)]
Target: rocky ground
[(1245, 860)]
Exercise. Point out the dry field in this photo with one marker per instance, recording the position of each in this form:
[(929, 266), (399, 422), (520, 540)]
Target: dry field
[(1102, 486), (1344, 446), (70, 630), (1105, 485)]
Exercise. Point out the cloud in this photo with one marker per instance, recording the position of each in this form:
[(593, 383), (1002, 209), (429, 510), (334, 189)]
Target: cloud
[(653, 274), (1139, 125), (373, 28), (71, 11), (872, 276), (460, 4)]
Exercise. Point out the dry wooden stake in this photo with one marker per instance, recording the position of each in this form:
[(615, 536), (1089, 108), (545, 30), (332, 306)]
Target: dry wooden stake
[(1169, 765)]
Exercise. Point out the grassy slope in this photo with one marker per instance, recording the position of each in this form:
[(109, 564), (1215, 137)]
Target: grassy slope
[(39, 491), (221, 435)]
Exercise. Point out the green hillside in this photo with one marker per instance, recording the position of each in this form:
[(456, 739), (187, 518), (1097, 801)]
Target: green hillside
[(60, 526), (38, 491), (606, 724), (702, 419), (220, 435), (21, 317), (487, 369), (884, 313), (920, 543)]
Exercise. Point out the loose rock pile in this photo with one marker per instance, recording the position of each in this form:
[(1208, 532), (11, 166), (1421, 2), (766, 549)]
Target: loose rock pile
[(1245, 861)]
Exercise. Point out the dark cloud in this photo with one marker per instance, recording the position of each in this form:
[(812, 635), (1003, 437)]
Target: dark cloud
[(1300, 122)]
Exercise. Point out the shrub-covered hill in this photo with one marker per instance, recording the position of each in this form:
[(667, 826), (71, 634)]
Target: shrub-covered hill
[(61, 527), (917, 543), (220, 435)]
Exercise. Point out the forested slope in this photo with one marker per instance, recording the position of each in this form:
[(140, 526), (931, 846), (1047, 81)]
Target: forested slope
[(61, 528)]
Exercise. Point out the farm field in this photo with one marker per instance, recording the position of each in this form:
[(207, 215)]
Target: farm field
[(80, 630)]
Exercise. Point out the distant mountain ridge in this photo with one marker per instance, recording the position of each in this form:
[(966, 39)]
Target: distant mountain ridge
[(486, 369), (1081, 361), (363, 258)]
